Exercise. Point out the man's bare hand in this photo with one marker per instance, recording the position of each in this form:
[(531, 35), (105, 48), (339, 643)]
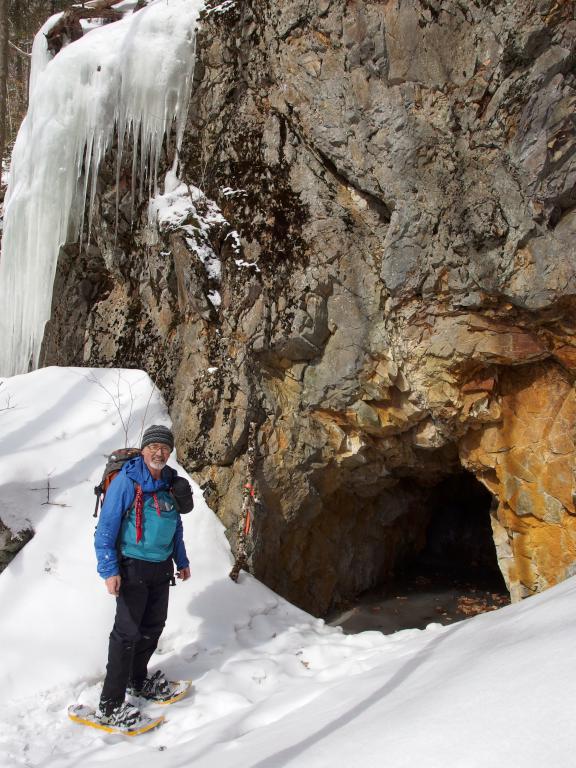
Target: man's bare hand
[(113, 585), (183, 573)]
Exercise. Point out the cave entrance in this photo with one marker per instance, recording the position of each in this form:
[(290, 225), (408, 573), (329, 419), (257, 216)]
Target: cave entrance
[(453, 573)]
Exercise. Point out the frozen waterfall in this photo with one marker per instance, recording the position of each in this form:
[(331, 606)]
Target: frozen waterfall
[(130, 80)]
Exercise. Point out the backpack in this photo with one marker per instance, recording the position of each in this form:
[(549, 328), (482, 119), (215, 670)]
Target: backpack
[(114, 464), (180, 490)]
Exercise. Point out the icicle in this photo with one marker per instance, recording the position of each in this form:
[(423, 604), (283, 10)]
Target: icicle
[(132, 78)]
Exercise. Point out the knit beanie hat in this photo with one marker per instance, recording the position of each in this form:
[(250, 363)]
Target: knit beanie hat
[(158, 434)]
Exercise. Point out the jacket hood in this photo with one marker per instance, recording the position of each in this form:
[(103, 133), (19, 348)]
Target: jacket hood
[(137, 471)]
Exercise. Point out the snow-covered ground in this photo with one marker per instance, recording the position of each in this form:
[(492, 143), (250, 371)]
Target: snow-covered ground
[(272, 686)]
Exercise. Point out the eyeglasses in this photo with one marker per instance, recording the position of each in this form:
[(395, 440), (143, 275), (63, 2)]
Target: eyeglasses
[(158, 448)]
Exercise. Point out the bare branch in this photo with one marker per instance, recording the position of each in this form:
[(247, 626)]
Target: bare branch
[(116, 399), (154, 387), (20, 51)]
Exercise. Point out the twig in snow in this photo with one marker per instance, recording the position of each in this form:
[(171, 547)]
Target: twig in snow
[(49, 488), (116, 399), (7, 402)]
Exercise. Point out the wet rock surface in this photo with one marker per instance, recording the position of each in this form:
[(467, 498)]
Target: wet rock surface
[(399, 179)]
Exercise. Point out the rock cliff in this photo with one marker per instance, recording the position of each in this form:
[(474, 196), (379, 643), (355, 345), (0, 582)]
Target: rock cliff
[(389, 205)]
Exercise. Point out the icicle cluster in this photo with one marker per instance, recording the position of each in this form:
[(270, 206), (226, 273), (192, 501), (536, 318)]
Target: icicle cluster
[(130, 80)]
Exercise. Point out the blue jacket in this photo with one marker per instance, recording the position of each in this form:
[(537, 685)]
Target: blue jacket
[(119, 498)]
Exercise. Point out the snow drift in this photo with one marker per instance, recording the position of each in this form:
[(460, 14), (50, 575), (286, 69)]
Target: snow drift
[(272, 686)]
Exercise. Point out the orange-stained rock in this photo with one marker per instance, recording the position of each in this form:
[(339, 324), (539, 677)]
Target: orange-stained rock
[(527, 463), (566, 355), (480, 385), (473, 336)]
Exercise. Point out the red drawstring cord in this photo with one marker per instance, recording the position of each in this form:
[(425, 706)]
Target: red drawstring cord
[(248, 520), (139, 506)]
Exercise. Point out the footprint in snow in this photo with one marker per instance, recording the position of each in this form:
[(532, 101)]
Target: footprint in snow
[(190, 652)]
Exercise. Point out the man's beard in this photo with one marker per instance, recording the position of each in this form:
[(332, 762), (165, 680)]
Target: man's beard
[(158, 464)]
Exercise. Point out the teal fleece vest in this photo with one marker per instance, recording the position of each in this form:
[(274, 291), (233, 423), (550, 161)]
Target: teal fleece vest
[(158, 531)]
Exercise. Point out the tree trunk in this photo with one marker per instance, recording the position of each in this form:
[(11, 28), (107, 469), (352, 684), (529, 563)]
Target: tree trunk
[(3, 74), (68, 27)]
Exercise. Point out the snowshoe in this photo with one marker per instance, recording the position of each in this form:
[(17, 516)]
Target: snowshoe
[(125, 719), (159, 690)]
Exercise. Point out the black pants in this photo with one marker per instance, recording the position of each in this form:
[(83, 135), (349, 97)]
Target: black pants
[(141, 610)]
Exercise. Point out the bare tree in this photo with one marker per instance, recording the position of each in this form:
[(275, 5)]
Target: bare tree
[(25, 17), (4, 37)]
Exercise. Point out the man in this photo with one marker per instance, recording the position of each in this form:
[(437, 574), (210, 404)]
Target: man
[(139, 536)]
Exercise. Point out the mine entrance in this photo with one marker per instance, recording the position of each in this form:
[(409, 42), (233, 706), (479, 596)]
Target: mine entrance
[(452, 575)]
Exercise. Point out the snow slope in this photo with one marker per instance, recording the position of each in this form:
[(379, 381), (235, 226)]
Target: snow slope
[(272, 685)]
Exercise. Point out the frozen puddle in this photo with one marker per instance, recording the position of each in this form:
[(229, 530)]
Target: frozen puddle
[(419, 600)]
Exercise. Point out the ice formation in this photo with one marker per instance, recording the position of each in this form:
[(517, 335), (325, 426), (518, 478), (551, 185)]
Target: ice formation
[(129, 80)]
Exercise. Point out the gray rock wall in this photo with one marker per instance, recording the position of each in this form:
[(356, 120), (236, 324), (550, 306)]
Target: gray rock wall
[(401, 176)]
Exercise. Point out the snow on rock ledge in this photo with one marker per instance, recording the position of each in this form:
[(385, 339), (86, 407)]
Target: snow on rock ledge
[(130, 79), (186, 207)]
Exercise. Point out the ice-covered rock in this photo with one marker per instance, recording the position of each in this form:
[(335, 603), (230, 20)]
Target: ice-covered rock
[(129, 81)]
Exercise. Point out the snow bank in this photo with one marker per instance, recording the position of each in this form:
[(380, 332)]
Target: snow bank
[(130, 80), (272, 686)]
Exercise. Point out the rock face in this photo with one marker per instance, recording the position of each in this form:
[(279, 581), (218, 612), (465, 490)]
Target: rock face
[(401, 176), (11, 544)]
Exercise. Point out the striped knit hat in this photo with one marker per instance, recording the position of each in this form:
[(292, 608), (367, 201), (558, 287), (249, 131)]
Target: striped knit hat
[(158, 434)]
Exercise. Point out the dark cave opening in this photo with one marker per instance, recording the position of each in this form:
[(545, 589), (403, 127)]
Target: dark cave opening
[(452, 574), (458, 536)]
